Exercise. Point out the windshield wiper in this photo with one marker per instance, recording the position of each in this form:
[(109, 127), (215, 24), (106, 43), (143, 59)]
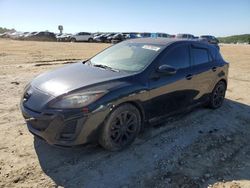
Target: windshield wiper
[(88, 62), (105, 67)]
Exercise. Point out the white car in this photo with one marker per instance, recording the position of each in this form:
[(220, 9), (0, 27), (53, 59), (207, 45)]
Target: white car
[(63, 37), (82, 36)]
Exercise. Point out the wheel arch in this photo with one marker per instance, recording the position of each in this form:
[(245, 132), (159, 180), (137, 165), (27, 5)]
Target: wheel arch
[(223, 80), (137, 105), (104, 131), (139, 108)]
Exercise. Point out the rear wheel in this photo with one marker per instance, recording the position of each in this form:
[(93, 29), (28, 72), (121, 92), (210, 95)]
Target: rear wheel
[(121, 128), (218, 95)]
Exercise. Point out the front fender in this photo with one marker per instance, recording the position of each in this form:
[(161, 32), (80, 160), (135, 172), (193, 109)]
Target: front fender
[(136, 94)]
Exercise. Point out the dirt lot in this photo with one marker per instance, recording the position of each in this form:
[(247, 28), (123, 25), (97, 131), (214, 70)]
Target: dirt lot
[(204, 148)]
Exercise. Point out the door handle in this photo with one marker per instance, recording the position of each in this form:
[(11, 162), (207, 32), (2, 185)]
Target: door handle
[(214, 69), (189, 76)]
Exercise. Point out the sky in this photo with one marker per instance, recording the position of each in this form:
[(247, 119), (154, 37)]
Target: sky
[(198, 17)]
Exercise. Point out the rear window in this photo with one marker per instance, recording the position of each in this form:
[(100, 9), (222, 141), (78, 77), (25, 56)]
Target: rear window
[(200, 56)]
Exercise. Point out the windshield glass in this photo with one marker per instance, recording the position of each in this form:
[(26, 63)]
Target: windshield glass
[(127, 56)]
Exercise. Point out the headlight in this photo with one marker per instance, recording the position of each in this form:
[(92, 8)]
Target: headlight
[(77, 100)]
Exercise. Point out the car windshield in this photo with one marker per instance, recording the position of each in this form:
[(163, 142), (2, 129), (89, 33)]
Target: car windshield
[(127, 56)]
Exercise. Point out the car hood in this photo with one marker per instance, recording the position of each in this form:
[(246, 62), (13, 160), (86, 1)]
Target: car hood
[(71, 77)]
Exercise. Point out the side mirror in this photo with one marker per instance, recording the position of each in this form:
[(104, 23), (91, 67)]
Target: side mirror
[(166, 69)]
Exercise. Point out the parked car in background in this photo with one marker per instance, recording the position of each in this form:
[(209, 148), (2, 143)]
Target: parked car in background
[(131, 35), (82, 36), (145, 35), (210, 39), (42, 36), (65, 37), (109, 97), (4, 35), (98, 36), (22, 36), (117, 38), (110, 37), (26, 37), (185, 36), (104, 37), (15, 35), (95, 35), (156, 35), (107, 37), (7, 33)]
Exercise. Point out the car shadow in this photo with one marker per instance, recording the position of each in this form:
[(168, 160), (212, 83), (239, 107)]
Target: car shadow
[(78, 166)]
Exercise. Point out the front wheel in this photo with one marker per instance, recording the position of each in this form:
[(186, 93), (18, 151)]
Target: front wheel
[(121, 128), (90, 40), (72, 40), (218, 95)]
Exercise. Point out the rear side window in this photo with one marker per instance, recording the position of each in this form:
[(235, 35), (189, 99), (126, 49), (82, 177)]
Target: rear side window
[(200, 56), (216, 53), (177, 57), (219, 55)]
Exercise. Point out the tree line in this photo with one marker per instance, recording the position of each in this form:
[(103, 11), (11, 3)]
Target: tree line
[(236, 39)]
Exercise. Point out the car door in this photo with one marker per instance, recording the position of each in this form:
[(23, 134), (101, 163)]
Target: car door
[(80, 36), (85, 36), (172, 93), (204, 70)]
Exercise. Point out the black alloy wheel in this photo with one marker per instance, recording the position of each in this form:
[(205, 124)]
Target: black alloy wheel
[(121, 128), (218, 95)]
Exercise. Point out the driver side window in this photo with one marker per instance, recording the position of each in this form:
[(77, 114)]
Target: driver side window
[(177, 57)]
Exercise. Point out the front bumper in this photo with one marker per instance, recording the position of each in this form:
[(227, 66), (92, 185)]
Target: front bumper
[(64, 128)]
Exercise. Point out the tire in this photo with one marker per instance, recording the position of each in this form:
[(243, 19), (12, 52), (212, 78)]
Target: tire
[(90, 40), (218, 95), (72, 40), (120, 128)]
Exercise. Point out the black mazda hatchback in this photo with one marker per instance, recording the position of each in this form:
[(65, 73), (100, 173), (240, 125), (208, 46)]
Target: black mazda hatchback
[(109, 97)]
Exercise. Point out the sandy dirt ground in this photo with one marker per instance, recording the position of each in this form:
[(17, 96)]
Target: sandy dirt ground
[(204, 148)]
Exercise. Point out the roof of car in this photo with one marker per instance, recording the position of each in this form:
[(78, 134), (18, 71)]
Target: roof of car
[(157, 41)]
